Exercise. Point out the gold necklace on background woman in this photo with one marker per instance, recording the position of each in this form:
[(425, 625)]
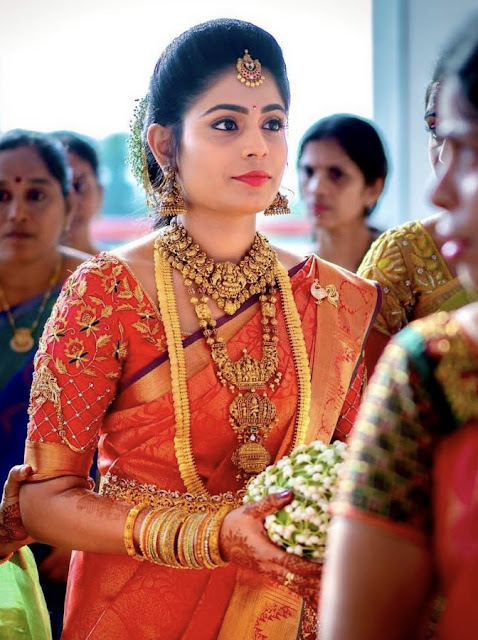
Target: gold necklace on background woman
[(23, 337), (252, 414)]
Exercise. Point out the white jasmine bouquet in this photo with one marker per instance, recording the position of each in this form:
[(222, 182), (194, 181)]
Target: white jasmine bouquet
[(311, 471)]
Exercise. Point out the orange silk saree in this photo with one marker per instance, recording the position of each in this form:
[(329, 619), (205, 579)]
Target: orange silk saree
[(131, 409)]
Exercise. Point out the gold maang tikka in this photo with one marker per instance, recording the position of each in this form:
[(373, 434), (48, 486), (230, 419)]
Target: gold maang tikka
[(249, 71)]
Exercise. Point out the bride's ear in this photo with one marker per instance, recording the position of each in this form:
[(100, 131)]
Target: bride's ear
[(160, 142)]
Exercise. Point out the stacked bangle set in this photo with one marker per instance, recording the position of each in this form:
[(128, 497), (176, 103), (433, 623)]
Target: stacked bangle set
[(173, 537)]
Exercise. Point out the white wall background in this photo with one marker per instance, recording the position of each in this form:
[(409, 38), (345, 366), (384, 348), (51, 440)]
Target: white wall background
[(407, 38), (80, 64)]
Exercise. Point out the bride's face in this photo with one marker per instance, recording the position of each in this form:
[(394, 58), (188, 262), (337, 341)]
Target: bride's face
[(233, 148)]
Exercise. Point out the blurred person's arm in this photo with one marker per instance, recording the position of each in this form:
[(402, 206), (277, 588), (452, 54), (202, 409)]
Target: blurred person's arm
[(375, 584)]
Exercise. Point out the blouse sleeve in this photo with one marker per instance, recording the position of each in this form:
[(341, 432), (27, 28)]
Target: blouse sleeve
[(387, 475), (77, 367), (386, 263)]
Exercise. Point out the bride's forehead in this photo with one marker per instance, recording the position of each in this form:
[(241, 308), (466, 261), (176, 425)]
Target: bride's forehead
[(227, 89)]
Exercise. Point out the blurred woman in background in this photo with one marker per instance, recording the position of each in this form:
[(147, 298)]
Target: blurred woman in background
[(417, 277), (23, 612), (342, 171), (87, 189), (407, 515), (35, 208)]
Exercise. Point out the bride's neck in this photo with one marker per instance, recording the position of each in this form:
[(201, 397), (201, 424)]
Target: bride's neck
[(222, 240)]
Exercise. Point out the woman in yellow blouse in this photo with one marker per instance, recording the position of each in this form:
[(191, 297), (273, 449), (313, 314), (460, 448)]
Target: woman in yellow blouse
[(415, 275)]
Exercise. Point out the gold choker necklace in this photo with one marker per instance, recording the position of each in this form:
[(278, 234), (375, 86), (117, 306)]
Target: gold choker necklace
[(228, 284), (22, 339)]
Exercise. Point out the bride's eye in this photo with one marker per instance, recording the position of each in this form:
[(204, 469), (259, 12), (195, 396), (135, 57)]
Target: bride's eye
[(226, 124), (275, 124)]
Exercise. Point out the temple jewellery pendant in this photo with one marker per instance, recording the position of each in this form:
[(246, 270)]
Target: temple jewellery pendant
[(252, 416), (22, 340)]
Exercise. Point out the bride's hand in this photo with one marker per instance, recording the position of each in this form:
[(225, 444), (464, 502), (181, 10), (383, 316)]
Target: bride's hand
[(13, 534), (244, 541)]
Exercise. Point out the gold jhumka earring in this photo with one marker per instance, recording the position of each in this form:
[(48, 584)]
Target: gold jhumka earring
[(171, 201), (278, 207)]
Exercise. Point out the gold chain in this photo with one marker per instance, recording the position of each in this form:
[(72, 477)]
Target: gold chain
[(22, 339), (228, 284), (168, 308)]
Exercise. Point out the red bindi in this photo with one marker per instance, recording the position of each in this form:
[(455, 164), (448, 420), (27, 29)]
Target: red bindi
[(18, 179)]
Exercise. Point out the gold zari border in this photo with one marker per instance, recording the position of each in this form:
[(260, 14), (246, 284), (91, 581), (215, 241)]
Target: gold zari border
[(134, 492)]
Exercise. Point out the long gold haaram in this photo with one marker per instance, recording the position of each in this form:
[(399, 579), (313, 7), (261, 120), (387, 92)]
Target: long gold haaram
[(251, 414)]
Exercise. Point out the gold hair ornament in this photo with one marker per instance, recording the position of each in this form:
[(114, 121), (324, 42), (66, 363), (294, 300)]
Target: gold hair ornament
[(249, 71)]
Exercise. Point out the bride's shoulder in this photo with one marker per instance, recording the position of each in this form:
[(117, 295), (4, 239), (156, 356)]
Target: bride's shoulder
[(288, 259)]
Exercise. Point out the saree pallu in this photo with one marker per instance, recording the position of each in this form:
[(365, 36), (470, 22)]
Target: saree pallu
[(16, 371), (140, 463)]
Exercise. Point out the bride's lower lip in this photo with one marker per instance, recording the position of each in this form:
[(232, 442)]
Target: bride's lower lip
[(254, 181)]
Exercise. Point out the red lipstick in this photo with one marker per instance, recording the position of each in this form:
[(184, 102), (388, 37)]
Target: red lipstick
[(254, 178)]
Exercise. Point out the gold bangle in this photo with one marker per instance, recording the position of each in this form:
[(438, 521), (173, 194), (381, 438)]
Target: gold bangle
[(190, 528), (152, 540), (144, 532), (180, 546), (207, 556), (163, 523), (128, 531), (168, 536), (200, 541), (213, 536)]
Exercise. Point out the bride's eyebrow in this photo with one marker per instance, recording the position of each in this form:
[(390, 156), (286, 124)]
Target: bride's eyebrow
[(226, 107), (238, 109)]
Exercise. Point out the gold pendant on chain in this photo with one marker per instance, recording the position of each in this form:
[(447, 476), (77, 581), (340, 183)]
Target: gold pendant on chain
[(22, 340), (251, 458), (252, 417)]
